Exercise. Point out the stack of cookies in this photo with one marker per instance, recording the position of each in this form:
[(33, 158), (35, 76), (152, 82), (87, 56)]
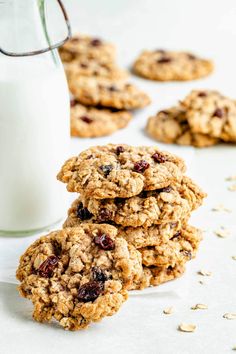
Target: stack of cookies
[(127, 230), (102, 96), (203, 118), (145, 194)]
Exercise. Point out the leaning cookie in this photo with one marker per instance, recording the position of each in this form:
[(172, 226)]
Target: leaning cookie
[(171, 126), (97, 91), (90, 122), (120, 171), (78, 276), (164, 65), (209, 112), (94, 68), (91, 47), (170, 204)]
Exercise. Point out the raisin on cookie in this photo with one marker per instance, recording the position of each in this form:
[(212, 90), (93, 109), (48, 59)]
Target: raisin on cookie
[(90, 122), (120, 171), (209, 112), (78, 275), (169, 204), (91, 47), (171, 126), (164, 65), (98, 91)]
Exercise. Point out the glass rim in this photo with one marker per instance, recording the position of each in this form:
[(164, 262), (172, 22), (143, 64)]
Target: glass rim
[(54, 46)]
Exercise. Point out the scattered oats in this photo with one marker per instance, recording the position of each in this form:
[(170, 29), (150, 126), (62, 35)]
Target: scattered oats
[(222, 232), (205, 273), (168, 311), (230, 316), (231, 178), (232, 188), (205, 230), (199, 307), (221, 207), (234, 258), (234, 348), (201, 282), (187, 327)]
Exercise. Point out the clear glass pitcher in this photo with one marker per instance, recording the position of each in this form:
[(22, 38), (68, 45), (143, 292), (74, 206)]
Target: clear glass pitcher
[(34, 114)]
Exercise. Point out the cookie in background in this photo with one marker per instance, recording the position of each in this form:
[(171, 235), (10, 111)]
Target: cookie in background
[(165, 65), (203, 118), (95, 80)]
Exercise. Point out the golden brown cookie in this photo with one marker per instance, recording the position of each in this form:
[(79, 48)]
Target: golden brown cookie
[(209, 112), (165, 65), (120, 171), (91, 47), (155, 276), (137, 236), (97, 91), (170, 204), (78, 275), (181, 248), (93, 68), (90, 122), (171, 126)]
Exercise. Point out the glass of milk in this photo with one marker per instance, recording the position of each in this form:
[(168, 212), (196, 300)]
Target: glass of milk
[(34, 119)]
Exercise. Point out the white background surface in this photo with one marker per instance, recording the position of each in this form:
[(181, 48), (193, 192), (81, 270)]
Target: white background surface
[(209, 28)]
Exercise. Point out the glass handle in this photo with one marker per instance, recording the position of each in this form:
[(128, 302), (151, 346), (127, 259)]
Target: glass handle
[(50, 46)]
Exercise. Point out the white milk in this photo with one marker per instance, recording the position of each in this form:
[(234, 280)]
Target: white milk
[(34, 142)]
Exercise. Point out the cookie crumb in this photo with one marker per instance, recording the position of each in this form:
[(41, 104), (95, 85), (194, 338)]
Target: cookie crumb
[(204, 273), (234, 348), (187, 327), (232, 188), (230, 316), (201, 282), (199, 307), (221, 208), (234, 258), (168, 310), (222, 232)]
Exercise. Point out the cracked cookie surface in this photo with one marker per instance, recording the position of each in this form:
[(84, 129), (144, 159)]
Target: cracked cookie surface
[(209, 112), (169, 204), (78, 275), (120, 171), (89, 122), (97, 91), (171, 126), (91, 47), (164, 65)]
